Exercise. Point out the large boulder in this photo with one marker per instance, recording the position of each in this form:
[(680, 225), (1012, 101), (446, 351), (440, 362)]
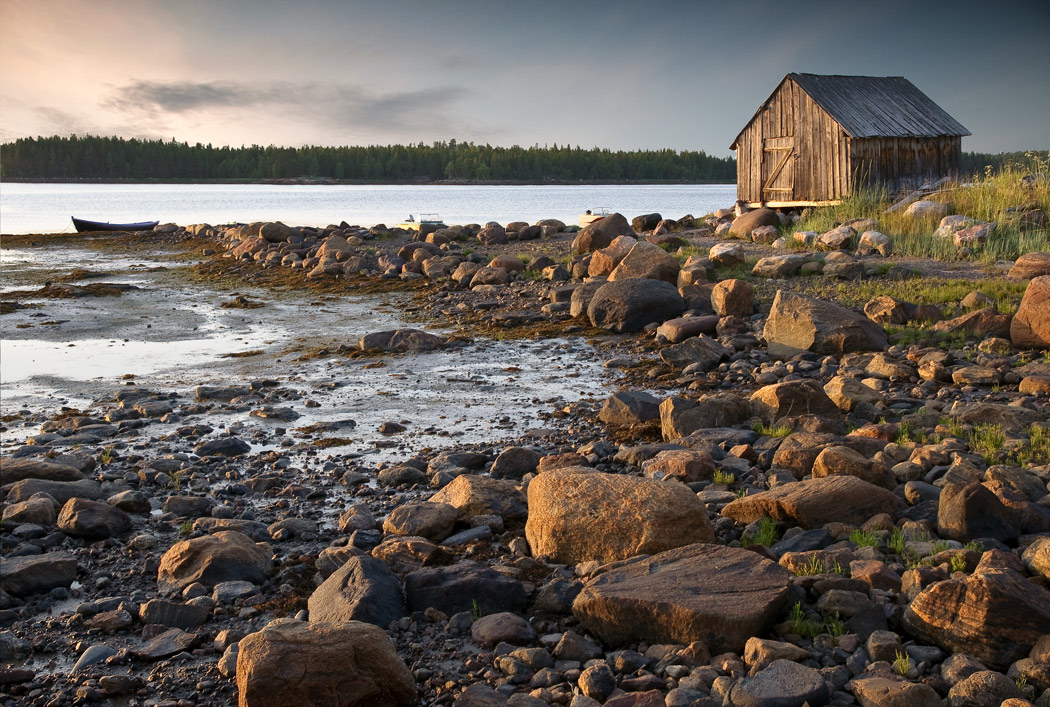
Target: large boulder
[(719, 595), (92, 520), (629, 305), (814, 502), (791, 399), (32, 574), (733, 298), (783, 682), (601, 233), (1030, 327), (224, 556), (646, 222), (464, 586), (746, 223), (629, 407), (798, 323), (473, 495), (701, 350), (350, 664), (969, 511), (778, 266), (12, 470), (401, 341), (680, 417), (994, 614), (277, 232), (605, 260), (646, 260), (607, 517), (1030, 265), (430, 520), (363, 589)]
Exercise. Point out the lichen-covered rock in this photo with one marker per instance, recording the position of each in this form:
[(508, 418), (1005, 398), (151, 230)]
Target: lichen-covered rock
[(798, 323)]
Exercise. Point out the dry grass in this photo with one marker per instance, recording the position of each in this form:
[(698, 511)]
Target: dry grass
[(1000, 197)]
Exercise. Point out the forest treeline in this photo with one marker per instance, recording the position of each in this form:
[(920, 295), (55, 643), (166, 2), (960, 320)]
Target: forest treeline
[(114, 158)]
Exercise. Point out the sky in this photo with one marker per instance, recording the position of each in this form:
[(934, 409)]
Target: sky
[(638, 74)]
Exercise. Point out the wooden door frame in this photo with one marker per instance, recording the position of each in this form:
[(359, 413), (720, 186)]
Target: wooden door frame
[(787, 154)]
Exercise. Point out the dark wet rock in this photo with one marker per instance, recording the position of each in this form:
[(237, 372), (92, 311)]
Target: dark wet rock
[(93, 655), (782, 683), (223, 447), (188, 506), (711, 593), (814, 502), (631, 304), (597, 682), (473, 495), (798, 323), (514, 463), (22, 576), (167, 644), (252, 528), (626, 516), (173, 613), (401, 340), (502, 627), (130, 502), (12, 470), (350, 664), (401, 475), (629, 408), (971, 511), (61, 491), (363, 589), (226, 555), (701, 350), (993, 614), (457, 587), (223, 394), (92, 520)]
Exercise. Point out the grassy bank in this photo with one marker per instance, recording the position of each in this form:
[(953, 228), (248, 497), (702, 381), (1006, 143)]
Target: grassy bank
[(1002, 197)]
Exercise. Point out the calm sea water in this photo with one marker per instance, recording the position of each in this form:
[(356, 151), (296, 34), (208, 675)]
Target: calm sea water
[(46, 208)]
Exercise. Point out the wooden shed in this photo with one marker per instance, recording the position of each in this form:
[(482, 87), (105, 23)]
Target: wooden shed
[(818, 137)]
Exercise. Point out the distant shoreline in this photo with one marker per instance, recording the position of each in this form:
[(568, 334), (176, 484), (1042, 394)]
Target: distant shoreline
[(307, 181)]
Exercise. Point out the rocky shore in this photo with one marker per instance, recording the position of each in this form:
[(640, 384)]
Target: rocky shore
[(817, 479)]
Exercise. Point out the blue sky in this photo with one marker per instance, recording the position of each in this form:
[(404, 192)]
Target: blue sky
[(623, 75)]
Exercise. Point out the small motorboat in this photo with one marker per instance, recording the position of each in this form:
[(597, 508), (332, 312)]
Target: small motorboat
[(427, 223), (592, 215), (83, 225)]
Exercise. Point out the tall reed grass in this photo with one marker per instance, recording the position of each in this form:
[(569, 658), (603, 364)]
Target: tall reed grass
[(1002, 197)]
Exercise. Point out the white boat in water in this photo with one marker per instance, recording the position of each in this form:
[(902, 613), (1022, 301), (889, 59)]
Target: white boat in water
[(427, 223), (592, 215)]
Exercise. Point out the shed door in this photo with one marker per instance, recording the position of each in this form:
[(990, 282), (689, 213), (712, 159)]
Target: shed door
[(778, 168)]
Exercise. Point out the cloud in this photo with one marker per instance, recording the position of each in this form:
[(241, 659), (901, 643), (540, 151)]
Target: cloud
[(324, 104)]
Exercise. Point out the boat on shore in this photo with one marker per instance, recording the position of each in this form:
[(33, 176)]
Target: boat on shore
[(427, 223), (84, 226), (592, 215)]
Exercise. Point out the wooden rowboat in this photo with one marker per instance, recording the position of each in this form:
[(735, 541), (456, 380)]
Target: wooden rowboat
[(83, 225)]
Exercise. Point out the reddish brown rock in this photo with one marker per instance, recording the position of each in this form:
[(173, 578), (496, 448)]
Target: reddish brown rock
[(887, 692), (646, 260), (994, 615), (1030, 327), (601, 233), (982, 323), (1030, 265), (746, 223), (838, 460), (226, 555), (733, 298), (349, 664), (604, 261), (814, 502), (791, 399), (474, 495), (718, 595), (798, 323), (608, 517), (684, 465)]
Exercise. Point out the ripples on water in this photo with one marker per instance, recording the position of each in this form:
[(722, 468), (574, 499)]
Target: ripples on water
[(46, 208)]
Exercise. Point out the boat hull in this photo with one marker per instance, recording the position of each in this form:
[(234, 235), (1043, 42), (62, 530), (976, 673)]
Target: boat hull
[(84, 226)]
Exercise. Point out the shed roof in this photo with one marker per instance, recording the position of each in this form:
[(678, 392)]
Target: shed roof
[(874, 106)]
